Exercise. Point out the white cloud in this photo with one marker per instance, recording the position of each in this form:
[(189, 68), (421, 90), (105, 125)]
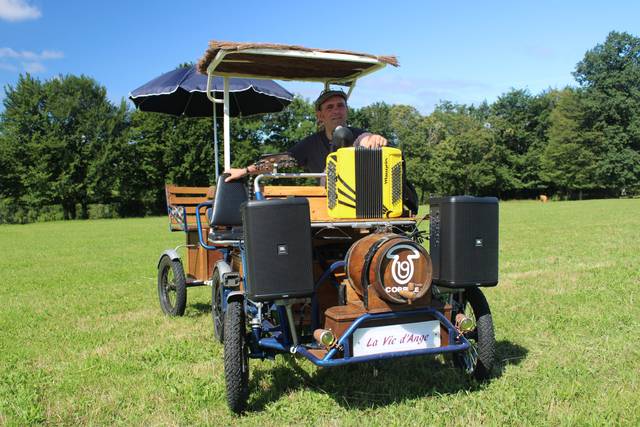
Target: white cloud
[(31, 62), (18, 10), (7, 52), (33, 67), (51, 54)]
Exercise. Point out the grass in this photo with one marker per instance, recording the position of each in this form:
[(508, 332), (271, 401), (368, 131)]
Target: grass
[(83, 340)]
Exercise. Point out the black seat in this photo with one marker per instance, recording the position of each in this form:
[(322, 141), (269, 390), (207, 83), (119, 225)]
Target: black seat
[(225, 217)]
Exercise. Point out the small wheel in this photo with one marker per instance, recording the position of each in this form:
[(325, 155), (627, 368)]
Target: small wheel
[(216, 306), (479, 359), (236, 357), (172, 286)]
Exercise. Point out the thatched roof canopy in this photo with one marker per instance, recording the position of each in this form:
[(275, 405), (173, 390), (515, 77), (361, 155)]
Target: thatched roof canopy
[(288, 62)]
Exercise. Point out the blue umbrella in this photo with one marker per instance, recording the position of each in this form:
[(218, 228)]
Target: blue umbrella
[(182, 92)]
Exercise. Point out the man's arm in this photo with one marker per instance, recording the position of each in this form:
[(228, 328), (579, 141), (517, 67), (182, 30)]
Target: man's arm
[(263, 165), (238, 173)]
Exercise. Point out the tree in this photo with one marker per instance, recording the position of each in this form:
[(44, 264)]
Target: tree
[(568, 160), (466, 159), (412, 137), (609, 76), (282, 130), (23, 126), (79, 117), (53, 132), (520, 122), (105, 172), (163, 149), (375, 118)]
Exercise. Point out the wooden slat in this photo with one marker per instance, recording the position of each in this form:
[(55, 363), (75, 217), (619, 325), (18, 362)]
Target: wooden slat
[(291, 190), (191, 210), (180, 200), (188, 190), (178, 226)]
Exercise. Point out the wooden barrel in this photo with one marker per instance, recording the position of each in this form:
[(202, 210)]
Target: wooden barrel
[(395, 266)]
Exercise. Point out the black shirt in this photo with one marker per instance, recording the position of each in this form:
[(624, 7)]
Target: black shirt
[(311, 153)]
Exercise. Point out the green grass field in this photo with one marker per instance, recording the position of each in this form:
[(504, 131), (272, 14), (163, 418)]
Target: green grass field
[(83, 340)]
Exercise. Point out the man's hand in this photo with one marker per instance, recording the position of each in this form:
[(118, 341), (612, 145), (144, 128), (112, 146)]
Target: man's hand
[(369, 140), (235, 173)]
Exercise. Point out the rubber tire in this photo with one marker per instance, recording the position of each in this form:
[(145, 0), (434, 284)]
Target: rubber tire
[(236, 357), (217, 315), (484, 335), (179, 283)]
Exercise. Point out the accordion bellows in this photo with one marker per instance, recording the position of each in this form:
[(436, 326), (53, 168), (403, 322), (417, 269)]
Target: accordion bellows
[(364, 183)]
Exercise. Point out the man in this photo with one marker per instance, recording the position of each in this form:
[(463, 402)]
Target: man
[(311, 152)]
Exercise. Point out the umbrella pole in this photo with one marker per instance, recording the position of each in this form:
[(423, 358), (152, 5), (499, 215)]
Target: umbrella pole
[(227, 125), (215, 141)]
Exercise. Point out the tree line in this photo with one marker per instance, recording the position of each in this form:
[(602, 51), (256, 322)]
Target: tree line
[(67, 152)]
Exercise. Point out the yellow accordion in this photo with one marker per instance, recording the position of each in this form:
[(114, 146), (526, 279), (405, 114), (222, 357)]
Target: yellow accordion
[(364, 183)]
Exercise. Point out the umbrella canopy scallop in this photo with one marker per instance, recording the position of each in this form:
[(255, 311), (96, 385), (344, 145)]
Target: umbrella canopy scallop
[(182, 92)]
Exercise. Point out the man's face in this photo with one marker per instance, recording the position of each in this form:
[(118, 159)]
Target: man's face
[(333, 113)]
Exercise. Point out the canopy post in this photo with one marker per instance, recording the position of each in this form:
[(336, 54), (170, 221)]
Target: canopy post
[(212, 96), (353, 84), (227, 126)]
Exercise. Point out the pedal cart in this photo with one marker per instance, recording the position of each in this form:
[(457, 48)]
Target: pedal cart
[(335, 273)]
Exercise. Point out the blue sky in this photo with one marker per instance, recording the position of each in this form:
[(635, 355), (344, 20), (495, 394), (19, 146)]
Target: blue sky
[(464, 51)]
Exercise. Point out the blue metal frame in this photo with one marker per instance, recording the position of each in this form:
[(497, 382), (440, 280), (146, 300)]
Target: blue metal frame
[(202, 243), (330, 358)]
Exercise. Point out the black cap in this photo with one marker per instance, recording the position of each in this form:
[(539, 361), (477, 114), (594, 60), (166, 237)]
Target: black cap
[(328, 94)]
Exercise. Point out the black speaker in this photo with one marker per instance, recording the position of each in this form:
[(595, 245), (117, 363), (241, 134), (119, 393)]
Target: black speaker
[(463, 241), (278, 248)]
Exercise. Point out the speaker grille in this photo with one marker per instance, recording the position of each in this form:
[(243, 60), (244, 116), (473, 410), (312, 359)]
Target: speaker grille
[(332, 179), (396, 184)]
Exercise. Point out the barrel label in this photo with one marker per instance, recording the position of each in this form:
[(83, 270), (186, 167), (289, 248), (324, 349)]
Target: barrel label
[(402, 270)]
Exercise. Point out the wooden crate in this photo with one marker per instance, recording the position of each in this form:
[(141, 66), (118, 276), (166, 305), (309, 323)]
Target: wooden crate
[(181, 206)]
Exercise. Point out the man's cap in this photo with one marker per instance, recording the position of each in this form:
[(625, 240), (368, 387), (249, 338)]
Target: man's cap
[(328, 94)]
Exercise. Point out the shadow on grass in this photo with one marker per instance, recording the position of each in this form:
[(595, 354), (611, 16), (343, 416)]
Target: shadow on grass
[(198, 309), (508, 353), (370, 385)]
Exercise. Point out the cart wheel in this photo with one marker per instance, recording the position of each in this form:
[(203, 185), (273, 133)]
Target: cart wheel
[(478, 360), (216, 306), (236, 357), (172, 286)]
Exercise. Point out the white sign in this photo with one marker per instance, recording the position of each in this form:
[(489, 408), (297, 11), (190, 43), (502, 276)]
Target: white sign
[(392, 338)]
